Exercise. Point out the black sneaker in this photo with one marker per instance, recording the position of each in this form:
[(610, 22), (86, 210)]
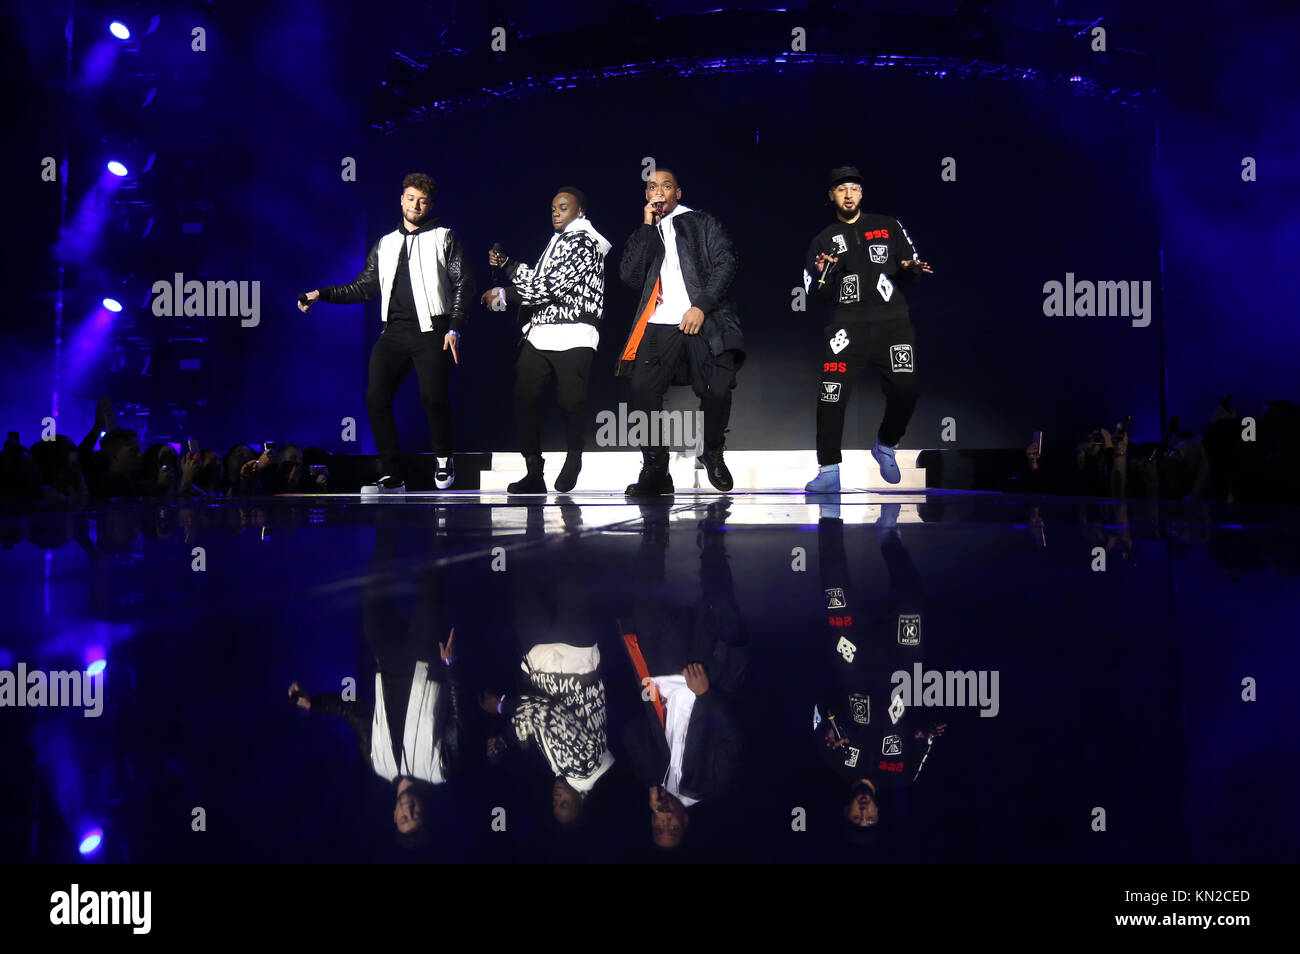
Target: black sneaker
[(444, 477), (716, 468)]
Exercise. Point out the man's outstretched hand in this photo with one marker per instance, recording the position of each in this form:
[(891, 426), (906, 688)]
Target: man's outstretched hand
[(311, 297), (917, 265)]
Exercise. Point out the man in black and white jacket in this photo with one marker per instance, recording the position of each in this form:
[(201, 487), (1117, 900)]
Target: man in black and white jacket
[(686, 330), (425, 287), (562, 298)]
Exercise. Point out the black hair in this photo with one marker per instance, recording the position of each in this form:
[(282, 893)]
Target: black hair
[(577, 194)]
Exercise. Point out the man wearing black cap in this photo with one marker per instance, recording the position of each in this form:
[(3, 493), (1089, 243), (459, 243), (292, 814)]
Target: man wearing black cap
[(562, 298), (687, 330), (855, 265)]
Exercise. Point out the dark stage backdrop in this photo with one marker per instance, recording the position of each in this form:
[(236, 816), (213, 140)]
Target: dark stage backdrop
[(1046, 184)]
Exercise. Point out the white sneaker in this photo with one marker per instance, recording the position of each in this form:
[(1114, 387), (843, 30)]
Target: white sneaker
[(445, 475), (385, 485)]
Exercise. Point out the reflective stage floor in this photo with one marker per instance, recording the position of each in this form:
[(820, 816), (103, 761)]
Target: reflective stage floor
[(927, 676)]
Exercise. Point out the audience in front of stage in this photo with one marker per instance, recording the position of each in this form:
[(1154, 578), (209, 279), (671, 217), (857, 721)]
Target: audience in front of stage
[(1235, 458), (110, 464)]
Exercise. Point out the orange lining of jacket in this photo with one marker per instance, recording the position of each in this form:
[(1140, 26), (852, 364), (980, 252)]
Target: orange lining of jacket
[(643, 671), (634, 340)]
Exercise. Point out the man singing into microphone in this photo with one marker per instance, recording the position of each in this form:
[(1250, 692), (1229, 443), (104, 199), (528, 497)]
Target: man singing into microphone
[(683, 262), (425, 286), (562, 298), (854, 264)]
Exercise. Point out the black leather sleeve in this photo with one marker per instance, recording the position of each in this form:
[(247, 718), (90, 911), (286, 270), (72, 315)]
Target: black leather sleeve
[(362, 288), (332, 703), (451, 737), (462, 283)]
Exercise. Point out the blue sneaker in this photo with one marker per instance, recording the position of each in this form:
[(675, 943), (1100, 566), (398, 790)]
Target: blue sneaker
[(884, 455), (827, 481), (887, 523)]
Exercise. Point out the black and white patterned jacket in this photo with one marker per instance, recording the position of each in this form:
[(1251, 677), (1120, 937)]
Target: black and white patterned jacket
[(566, 286)]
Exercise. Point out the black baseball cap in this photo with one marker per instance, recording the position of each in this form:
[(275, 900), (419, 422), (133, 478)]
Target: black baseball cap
[(844, 174)]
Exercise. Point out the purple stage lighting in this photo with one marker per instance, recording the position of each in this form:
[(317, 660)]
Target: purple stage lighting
[(95, 658), (112, 304), (119, 30), (117, 168), (91, 841)]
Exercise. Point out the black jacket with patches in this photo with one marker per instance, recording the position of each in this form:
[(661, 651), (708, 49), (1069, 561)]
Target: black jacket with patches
[(709, 263), (863, 284), (860, 730)]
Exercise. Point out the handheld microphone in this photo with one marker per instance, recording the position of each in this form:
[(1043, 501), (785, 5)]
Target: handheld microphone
[(496, 269), (826, 270)]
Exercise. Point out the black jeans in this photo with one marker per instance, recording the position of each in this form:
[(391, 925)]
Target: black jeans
[(402, 345), (571, 371), (851, 348), (668, 356)]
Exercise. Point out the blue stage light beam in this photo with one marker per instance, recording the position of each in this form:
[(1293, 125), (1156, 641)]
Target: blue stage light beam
[(90, 841)]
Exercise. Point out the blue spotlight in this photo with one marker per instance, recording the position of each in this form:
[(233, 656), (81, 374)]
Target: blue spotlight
[(117, 168), (91, 841), (112, 304), (119, 30), (95, 668)]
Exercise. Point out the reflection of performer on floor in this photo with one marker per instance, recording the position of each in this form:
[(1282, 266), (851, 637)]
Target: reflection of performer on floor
[(865, 731), (558, 709), (690, 662), (409, 733)]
